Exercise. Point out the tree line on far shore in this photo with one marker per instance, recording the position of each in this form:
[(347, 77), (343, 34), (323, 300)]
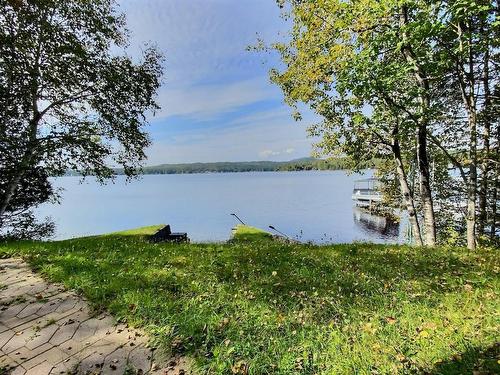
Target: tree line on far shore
[(305, 164)]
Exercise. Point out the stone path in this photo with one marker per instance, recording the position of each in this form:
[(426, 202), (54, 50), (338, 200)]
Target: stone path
[(45, 329)]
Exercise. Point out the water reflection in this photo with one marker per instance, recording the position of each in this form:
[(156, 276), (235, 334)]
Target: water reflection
[(374, 224)]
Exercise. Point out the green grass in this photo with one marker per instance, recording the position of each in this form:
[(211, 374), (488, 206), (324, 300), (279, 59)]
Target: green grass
[(142, 231), (248, 233), (278, 308)]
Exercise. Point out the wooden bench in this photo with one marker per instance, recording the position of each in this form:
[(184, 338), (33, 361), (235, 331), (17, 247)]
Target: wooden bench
[(165, 235)]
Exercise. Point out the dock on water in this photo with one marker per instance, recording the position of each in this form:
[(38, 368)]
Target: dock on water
[(366, 192)]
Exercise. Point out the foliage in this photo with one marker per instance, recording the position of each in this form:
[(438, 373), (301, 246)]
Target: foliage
[(408, 82), (19, 220), (69, 97), (282, 308)]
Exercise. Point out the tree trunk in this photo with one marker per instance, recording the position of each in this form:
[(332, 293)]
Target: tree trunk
[(21, 168), (467, 83), (485, 173), (27, 159), (472, 186), (425, 188), (485, 176), (495, 186), (423, 159), (494, 202), (406, 192), (9, 193)]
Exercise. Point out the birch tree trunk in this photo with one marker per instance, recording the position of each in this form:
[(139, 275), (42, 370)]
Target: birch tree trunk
[(9, 193), (471, 188), (422, 155), (467, 84), (495, 186), (406, 192), (486, 167)]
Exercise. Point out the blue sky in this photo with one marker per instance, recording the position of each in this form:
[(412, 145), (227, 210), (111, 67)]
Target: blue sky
[(217, 101)]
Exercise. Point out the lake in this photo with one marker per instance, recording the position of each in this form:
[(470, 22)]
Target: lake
[(310, 206)]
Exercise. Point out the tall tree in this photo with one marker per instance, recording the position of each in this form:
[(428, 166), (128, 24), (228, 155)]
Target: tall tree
[(467, 41), (354, 65), (68, 99), (417, 58), (407, 75)]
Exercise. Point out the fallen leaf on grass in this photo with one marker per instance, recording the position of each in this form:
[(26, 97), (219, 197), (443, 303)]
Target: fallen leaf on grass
[(241, 367), (390, 320)]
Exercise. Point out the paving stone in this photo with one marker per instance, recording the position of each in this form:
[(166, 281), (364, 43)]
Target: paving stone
[(41, 337), (19, 370), (95, 355), (52, 356), (85, 330), (17, 341), (141, 358), (68, 366), (5, 337), (15, 322), (24, 354), (61, 317), (64, 333), (30, 310), (116, 362), (42, 368), (29, 325), (44, 329), (12, 310), (72, 347), (49, 307), (6, 361), (67, 304)]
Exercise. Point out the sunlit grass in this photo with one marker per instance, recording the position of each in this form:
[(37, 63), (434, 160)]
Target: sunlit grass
[(142, 231), (246, 233), (272, 307)]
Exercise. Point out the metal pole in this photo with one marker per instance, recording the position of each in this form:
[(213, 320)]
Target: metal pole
[(283, 234), (236, 216)]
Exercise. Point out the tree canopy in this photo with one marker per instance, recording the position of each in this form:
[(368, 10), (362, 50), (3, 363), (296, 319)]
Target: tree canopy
[(70, 98), (404, 81)]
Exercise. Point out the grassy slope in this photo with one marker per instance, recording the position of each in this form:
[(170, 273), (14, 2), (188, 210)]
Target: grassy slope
[(247, 233), (142, 231), (292, 309)]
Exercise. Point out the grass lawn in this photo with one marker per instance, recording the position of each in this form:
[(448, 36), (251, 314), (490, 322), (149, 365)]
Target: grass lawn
[(266, 307)]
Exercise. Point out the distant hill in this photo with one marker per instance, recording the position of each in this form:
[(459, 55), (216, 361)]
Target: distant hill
[(250, 166), (303, 164)]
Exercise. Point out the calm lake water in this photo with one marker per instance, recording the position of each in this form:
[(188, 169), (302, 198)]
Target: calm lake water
[(311, 206)]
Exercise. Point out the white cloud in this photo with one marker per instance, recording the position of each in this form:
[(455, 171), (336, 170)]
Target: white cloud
[(208, 101), (208, 72), (203, 39), (266, 154)]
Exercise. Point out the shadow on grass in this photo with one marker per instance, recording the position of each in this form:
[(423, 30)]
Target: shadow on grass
[(476, 360), (271, 273)]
